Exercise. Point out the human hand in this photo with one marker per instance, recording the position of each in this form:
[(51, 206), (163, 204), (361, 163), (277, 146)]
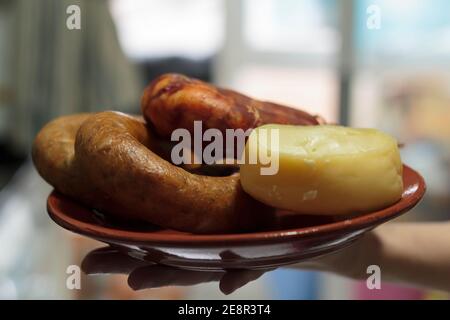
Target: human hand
[(351, 261), (145, 274)]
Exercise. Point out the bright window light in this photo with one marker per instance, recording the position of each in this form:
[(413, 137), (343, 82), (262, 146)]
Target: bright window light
[(158, 28)]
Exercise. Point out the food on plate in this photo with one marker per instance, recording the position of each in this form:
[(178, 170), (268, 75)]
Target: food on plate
[(129, 167), (324, 170), (175, 101), (105, 161)]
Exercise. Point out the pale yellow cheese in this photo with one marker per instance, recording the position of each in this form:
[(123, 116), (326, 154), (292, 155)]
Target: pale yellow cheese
[(323, 170)]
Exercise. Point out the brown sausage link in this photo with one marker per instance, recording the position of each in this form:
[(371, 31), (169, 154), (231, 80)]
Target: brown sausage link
[(53, 154), (106, 161), (175, 101)]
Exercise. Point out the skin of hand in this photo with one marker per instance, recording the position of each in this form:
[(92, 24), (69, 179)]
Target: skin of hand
[(416, 254), (145, 275), (412, 253)]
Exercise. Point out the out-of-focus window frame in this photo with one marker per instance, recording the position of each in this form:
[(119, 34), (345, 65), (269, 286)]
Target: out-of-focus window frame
[(236, 52)]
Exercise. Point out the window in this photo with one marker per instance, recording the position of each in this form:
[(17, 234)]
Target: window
[(159, 28), (283, 51), (306, 26)]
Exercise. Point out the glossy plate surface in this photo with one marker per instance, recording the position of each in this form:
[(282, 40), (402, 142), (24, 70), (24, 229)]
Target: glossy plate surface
[(291, 239)]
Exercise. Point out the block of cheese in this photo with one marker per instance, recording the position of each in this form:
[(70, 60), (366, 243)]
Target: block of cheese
[(322, 170)]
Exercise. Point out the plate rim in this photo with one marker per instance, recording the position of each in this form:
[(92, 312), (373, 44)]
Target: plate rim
[(368, 220)]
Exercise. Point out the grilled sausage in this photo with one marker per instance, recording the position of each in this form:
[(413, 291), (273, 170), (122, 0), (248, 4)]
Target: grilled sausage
[(175, 101)]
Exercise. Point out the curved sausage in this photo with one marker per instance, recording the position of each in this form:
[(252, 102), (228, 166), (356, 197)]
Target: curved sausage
[(106, 161), (175, 101)]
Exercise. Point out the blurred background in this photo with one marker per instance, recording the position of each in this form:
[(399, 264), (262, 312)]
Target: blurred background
[(377, 63)]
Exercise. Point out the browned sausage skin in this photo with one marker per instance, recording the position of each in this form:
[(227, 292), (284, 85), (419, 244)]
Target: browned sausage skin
[(53, 156), (106, 161), (175, 101)]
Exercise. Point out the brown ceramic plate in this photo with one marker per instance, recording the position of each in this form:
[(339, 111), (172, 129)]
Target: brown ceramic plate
[(292, 239)]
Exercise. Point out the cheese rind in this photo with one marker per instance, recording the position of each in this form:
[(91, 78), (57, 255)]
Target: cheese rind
[(324, 170)]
